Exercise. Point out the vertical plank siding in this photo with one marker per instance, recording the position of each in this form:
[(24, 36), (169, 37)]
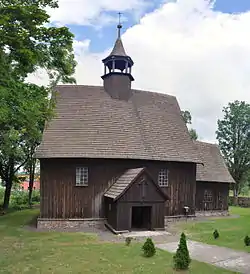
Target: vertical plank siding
[(60, 198), (220, 194)]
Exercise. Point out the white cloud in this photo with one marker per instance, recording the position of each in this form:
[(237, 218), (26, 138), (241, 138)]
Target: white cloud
[(188, 50), (87, 12)]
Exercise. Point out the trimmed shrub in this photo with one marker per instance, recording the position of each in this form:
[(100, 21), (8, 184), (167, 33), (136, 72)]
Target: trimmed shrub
[(128, 241), (247, 241), (181, 258), (216, 234), (149, 248)]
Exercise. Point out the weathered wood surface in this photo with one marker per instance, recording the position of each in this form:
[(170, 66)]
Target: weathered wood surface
[(60, 198), (220, 193)]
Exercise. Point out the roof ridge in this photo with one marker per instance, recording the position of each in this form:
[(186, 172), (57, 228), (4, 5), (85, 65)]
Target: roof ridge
[(74, 85), (100, 86), (206, 143)]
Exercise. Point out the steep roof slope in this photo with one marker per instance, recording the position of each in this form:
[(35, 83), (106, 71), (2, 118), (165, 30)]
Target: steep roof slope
[(122, 183), (89, 123), (214, 168)]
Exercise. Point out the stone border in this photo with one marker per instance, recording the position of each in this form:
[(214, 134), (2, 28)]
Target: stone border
[(50, 224), (212, 213), (178, 218)]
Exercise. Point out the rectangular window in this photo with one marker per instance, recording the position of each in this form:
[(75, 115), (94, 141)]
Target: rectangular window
[(82, 176), (163, 177), (208, 196)]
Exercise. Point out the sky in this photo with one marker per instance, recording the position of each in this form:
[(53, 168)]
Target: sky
[(196, 50)]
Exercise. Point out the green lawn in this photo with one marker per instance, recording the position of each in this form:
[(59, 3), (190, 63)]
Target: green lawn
[(232, 230), (24, 251)]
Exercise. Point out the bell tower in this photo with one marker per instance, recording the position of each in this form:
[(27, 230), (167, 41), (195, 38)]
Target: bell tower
[(117, 76)]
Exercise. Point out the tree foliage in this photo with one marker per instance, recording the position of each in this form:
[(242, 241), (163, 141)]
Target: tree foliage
[(24, 109), (233, 135), (27, 43), (30, 44), (187, 117), (193, 134)]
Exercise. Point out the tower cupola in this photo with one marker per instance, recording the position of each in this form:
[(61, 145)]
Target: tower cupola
[(117, 71)]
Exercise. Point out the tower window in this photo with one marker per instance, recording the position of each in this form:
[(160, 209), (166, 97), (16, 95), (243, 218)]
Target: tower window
[(163, 177)]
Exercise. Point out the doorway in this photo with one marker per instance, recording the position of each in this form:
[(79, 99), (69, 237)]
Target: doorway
[(141, 217)]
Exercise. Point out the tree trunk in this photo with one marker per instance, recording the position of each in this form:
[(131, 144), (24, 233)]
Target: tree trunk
[(236, 193), (7, 193), (31, 180)]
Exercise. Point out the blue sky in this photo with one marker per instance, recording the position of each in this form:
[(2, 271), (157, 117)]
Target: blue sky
[(232, 6), (103, 38)]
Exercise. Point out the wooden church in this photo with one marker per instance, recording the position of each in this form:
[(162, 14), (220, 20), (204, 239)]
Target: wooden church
[(116, 155)]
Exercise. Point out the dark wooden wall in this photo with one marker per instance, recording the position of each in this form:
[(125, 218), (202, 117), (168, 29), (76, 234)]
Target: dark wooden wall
[(134, 196), (215, 204), (111, 212), (60, 198)]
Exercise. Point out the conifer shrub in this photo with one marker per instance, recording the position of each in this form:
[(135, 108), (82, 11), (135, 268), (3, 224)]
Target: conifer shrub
[(216, 234), (181, 258), (247, 241), (148, 248), (128, 241)]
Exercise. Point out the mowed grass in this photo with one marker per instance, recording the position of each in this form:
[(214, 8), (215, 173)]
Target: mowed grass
[(232, 230), (25, 251)]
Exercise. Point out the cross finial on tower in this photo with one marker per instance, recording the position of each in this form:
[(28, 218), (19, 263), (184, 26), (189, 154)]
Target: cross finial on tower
[(119, 26)]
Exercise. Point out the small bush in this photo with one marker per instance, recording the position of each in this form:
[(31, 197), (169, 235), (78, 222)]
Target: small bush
[(2, 189), (230, 201), (247, 241), (128, 241), (216, 234), (35, 196), (149, 248), (181, 258), (18, 199)]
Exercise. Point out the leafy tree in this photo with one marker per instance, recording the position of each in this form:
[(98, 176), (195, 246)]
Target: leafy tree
[(181, 258), (186, 115), (27, 43), (193, 134), (24, 108), (233, 135)]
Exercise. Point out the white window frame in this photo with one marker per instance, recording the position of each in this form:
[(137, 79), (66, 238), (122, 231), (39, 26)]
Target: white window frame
[(163, 177), (82, 176), (208, 196)]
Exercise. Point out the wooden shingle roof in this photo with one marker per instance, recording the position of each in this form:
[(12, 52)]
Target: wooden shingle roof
[(90, 124), (122, 183), (214, 168), (118, 49)]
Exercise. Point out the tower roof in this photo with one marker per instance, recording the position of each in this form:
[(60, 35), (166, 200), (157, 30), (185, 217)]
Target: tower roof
[(118, 49)]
